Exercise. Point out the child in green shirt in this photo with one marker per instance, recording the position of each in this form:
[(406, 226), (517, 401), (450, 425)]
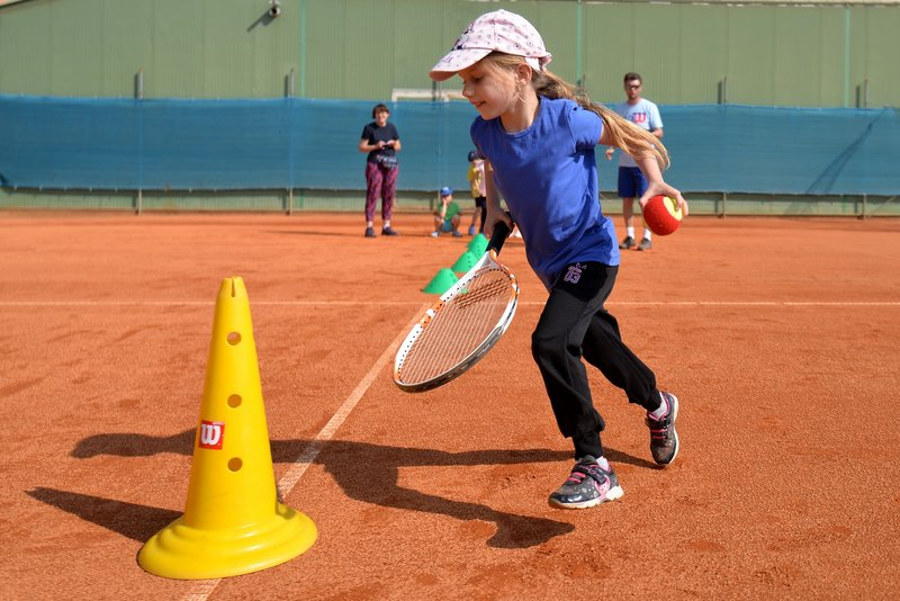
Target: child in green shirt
[(447, 216)]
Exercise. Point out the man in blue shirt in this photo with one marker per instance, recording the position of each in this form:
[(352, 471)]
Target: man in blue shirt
[(632, 183)]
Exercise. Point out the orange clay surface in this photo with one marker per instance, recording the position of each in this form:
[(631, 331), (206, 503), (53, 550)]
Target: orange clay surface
[(780, 336)]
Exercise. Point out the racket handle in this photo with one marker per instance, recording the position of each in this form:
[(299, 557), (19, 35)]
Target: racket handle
[(501, 231)]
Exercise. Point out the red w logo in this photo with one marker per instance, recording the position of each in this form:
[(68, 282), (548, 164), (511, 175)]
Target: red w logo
[(639, 117), (211, 434)]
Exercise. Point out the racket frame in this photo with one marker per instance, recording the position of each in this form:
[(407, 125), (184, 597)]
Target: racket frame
[(487, 261)]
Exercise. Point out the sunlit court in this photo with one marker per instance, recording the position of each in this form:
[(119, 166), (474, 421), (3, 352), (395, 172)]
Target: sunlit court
[(453, 300), (778, 335)]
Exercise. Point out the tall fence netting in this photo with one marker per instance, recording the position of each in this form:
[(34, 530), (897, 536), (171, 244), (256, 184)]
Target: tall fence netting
[(173, 144)]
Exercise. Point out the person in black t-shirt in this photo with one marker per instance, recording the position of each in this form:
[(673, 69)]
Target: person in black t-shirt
[(381, 140)]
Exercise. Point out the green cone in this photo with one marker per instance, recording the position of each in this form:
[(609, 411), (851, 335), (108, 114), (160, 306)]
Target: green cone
[(441, 282), (478, 244), (465, 262)]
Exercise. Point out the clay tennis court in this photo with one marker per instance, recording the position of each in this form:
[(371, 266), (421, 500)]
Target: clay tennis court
[(779, 336)]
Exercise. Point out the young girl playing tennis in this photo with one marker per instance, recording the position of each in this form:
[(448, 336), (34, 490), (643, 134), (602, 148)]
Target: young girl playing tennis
[(538, 135)]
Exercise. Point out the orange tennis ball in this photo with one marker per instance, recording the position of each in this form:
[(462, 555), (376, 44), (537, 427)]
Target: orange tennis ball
[(661, 215)]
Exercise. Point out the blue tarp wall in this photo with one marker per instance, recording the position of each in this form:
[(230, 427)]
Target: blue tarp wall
[(174, 144)]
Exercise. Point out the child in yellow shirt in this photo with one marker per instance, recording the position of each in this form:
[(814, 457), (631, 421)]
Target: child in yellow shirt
[(479, 192)]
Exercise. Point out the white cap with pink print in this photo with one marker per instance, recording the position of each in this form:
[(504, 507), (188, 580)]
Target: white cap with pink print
[(497, 31)]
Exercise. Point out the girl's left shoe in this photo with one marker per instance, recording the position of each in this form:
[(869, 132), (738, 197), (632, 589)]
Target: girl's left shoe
[(588, 485), (663, 437)]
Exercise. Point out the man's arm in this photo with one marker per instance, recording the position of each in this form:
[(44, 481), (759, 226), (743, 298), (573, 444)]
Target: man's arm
[(656, 124)]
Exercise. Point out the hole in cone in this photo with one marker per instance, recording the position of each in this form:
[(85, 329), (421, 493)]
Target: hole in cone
[(234, 400), (233, 338), (235, 464)]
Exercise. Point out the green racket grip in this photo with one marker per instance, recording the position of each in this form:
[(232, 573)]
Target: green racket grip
[(501, 231)]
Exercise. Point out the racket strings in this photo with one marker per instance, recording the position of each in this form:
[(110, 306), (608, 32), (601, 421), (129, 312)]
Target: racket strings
[(460, 326)]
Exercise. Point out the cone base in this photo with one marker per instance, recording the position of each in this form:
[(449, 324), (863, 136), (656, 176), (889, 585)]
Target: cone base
[(182, 552)]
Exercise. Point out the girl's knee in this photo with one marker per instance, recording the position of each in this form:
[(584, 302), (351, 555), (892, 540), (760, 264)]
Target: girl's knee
[(545, 345)]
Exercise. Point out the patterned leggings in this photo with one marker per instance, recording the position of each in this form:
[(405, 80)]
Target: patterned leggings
[(380, 181)]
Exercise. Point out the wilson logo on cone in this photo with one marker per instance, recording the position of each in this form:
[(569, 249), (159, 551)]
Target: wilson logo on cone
[(211, 434)]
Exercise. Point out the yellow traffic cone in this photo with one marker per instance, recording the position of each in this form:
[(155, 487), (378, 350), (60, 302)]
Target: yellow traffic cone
[(233, 523)]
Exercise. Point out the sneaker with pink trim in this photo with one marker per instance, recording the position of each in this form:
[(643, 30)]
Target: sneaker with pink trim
[(588, 485), (663, 437)]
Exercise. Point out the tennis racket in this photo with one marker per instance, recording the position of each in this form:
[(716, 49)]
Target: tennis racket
[(462, 326)]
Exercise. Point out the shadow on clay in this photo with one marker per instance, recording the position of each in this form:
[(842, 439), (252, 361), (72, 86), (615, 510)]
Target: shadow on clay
[(137, 522), (364, 471)]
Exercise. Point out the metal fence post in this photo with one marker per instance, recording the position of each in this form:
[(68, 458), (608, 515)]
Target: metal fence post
[(290, 191), (139, 96)]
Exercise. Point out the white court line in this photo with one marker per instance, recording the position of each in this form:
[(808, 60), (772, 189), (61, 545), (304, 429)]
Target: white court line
[(190, 303), (287, 482), (330, 303), (761, 303), (205, 588)]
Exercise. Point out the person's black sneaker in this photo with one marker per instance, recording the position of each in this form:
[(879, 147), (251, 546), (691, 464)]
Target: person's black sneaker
[(370, 232), (588, 485), (645, 244), (627, 243), (663, 437), (388, 231)]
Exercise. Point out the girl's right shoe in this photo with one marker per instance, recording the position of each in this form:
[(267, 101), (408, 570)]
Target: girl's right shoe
[(588, 485)]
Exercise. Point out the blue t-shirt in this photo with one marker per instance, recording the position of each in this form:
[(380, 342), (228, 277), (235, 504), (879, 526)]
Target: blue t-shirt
[(645, 115), (548, 176)]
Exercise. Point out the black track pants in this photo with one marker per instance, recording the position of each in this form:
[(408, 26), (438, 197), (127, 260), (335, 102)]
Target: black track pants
[(575, 324)]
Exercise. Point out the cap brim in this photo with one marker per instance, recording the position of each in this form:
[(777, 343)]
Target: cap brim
[(455, 61)]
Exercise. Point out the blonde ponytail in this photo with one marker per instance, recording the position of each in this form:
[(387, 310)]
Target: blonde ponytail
[(633, 140)]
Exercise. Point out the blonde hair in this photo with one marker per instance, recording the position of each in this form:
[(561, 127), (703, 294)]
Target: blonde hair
[(632, 139)]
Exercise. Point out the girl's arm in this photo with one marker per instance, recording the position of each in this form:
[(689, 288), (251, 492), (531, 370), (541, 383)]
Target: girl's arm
[(649, 166), (656, 185), (495, 212)]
